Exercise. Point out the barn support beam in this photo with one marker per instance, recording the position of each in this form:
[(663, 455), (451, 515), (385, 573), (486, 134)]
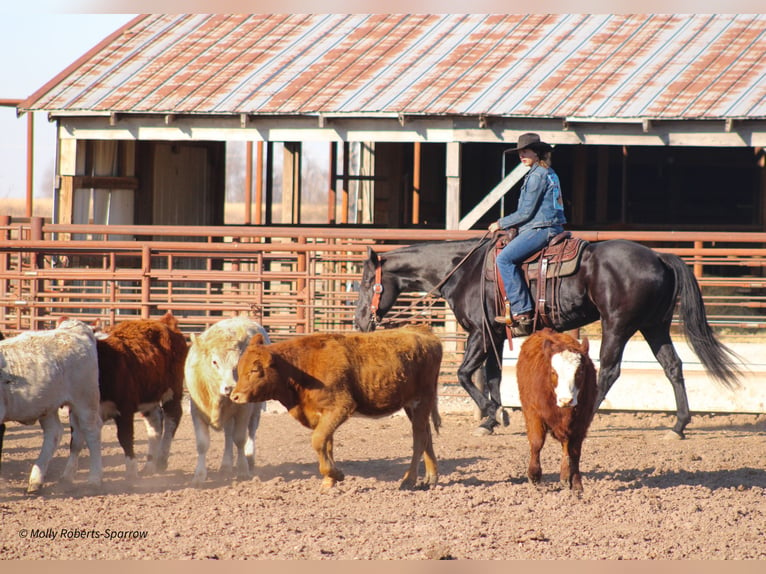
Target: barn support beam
[(416, 154), (291, 183), (332, 192), (248, 182), (453, 174)]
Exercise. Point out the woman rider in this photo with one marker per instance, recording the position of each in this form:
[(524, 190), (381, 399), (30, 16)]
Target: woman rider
[(538, 217)]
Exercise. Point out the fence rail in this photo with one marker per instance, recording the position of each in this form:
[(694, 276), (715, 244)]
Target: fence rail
[(293, 279)]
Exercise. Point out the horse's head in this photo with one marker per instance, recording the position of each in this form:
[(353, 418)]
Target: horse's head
[(377, 293)]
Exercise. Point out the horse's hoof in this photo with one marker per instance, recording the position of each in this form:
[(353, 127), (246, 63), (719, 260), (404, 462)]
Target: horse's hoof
[(505, 419), (673, 435), (482, 431)]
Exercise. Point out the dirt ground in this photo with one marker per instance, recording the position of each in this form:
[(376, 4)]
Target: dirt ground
[(646, 497)]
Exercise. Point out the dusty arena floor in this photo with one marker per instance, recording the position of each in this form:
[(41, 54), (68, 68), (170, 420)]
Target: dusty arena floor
[(646, 497)]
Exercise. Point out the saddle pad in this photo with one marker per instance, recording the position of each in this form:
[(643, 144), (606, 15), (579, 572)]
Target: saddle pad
[(556, 267)]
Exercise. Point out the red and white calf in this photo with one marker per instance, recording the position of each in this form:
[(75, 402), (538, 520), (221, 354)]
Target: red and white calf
[(141, 364), (557, 390), (41, 371), (211, 368)]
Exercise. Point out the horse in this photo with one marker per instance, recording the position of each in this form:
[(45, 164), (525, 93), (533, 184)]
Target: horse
[(628, 286)]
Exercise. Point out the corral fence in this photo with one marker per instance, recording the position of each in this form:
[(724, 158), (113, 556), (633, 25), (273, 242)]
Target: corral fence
[(294, 280)]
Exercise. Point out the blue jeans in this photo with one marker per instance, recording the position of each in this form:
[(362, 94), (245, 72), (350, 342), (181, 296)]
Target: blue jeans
[(509, 262)]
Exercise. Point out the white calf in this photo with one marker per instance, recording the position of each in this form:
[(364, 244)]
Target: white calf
[(41, 371), (211, 366)]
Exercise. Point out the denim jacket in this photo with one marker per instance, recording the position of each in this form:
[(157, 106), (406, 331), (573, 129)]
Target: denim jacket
[(540, 202)]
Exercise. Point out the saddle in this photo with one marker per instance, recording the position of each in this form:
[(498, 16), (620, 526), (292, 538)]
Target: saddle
[(560, 258)]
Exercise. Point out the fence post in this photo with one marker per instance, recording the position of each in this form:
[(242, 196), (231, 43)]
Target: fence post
[(697, 264), (146, 270)]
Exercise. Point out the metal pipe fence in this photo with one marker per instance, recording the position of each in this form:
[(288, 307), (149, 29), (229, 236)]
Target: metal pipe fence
[(293, 280)]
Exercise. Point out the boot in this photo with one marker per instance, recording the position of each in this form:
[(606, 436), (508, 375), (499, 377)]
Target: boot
[(523, 324)]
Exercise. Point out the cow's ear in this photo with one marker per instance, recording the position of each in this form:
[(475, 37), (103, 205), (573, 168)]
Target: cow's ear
[(257, 339), (585, 345), (192, 338)]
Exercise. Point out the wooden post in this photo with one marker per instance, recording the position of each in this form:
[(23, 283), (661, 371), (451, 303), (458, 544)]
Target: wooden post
[(332, 192), (30, 160), (291, 183), (416, 182), (259, 184), (248, 182), (344, 191), (452, 216)]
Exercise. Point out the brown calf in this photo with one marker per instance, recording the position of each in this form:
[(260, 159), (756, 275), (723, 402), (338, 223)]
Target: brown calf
[(557, 390), (323, 379), (141, 367)]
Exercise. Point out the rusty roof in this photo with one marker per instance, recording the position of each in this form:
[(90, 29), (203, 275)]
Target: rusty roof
[(530, 65)]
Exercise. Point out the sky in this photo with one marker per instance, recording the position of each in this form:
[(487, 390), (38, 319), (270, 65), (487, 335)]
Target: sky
[(34, 47)]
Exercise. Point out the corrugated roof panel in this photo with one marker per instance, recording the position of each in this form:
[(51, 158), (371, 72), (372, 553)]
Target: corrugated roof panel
[(556, 65)]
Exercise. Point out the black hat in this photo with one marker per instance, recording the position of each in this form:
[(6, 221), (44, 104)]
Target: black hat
[(532, 141)]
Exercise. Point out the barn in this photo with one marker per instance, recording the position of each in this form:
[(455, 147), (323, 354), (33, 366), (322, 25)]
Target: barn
[(659, 121)]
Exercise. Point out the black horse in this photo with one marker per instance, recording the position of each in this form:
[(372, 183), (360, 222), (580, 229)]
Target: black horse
[(627, 285)]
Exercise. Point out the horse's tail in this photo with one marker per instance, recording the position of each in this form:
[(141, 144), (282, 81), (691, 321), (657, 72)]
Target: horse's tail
[(719, 361)]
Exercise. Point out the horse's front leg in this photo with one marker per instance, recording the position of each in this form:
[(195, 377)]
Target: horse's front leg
[(472, 360)]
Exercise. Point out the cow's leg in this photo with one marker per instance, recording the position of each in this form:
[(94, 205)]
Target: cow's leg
[(124, 423), (473, 358), (536, 436), (52, 431), (565, 473), (86, 429), (172, 411), (153, 422), (239, 438), (574, 448), (2, 433), (202, 439), (252, 426), (322, 442), (422, 444)]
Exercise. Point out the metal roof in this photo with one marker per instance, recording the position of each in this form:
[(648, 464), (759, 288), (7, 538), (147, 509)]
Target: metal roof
[(530, 65)]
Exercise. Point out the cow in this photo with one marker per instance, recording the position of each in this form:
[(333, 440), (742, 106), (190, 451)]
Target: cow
[(211, 367), (41, 371), (557, 390), (322, 379), (141, 369)]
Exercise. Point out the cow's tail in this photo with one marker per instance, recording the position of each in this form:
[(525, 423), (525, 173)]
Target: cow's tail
[(436, 419), (719, 361)]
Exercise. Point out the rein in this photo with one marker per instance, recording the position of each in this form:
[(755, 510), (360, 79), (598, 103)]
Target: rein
[(377, 288)]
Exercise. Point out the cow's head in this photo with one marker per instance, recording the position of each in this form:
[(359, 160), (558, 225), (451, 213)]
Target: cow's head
[(257, 379), (566, 364)]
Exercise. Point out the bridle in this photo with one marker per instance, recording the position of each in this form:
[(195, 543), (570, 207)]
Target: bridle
[(377, 287)]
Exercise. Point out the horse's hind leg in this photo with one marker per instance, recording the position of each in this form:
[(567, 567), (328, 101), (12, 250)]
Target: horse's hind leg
[(663, 349), (610, 356)]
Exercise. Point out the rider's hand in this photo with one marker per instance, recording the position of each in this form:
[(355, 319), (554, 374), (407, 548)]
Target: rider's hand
[(493, 226)]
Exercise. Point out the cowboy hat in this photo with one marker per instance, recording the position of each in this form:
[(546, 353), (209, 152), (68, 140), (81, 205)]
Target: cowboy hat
[(532, 141)]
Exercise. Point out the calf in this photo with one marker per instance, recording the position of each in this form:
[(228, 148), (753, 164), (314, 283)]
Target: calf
[(323, 379), (41, 371), (557, 390), (141, 367), (210, 370)]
